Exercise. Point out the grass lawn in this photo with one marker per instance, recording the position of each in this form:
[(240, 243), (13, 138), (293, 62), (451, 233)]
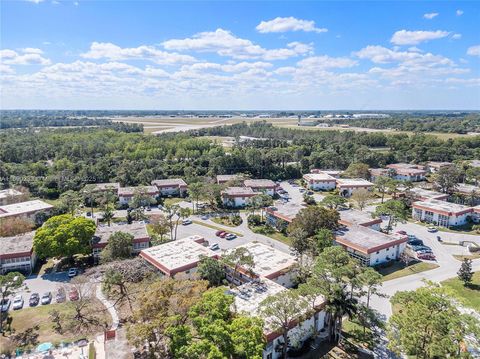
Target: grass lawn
[(172, 201), (398, 269), (22, 320), (224, 222), (353, 332), (470, 295), (212, 226), (272, 234), (468, 256)]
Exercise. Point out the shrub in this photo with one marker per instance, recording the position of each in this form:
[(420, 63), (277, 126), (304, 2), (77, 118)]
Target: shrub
[(254, 220)]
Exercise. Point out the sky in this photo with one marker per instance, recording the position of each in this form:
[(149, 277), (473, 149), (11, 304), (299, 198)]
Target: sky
[(251, 55)]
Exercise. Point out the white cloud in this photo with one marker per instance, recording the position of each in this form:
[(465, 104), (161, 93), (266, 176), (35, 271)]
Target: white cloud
[(224, 43), (35, 1), (382, 55), (474, 50), (456, 36), (405, 37), (284, 24), (29, 56), (459, 12), (430, 15), (99, 50), (326, 62)]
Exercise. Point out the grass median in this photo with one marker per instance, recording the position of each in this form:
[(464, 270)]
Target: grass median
[(469, 295), (398, 269), (212, 226)]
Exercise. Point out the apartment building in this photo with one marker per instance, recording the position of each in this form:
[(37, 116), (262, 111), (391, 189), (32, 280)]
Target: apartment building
[(261, 186), (126, 194), (347, 186), (16, 253), (441, 213), (25, 210), (320, 181), (171, 187), (237, 197)]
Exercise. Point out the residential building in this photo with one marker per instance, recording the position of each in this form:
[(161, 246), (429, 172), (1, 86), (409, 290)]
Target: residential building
[(434, 166), (408, 172), (476, 214), (126, 194), (16, 253), (441, 213), (221, 179), (171, 187), (269, 263), (368, 246), (103, 187), (9, 195), (355, 217), (248, 299), (261, 185), (138, 230), (380, 172), (179, 258), (333, 173), (237, 196), (25, 210), (282, 215), (320, 181), (347, 186), (421, 194)]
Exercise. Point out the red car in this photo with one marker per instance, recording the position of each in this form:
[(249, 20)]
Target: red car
[(219, 233), (73, 294), (403, 233), (223, 234), (426, 256)]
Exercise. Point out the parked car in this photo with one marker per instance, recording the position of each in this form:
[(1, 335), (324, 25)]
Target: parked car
[(5, 305), (218, 233), (223, 235), (426, 256), (60, 297), (186, 222), (214, 247), (72, 272), (411, 236), (432, 229), (230, 236), (403, 233), (89, 214), (310, 193), (46, 298), (415, 242), (34, 299), (204, 217), (73, 294), (148, 209), (17, 302)]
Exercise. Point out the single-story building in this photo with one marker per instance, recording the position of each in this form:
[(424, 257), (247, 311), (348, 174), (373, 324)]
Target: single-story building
[(16, 253), (221, 179), (333, 173), (138, 230), (237, 196), (248, 299), (368, 246), (408, 172), (9, 195), (103, 187), (26, 210), (441, 213), (171, 187), (281, 215), (261, 185), (421, 194), (379, 172), (347, 186), (126, 194), (320, 181), (269, 262), (178, 259), (352, 216), (434, 166)]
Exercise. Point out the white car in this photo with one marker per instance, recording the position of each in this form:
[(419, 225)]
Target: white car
[(432, 229), (214, 247), (72, 272), (186, 222), (17, 302), (230, 236)]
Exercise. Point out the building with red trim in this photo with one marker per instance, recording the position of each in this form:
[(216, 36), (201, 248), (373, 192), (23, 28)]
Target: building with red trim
[(103, 187), (126, 194), (355, 217), (9, 195), (261, 185), (221, 179), (368, 246), (320, 181), (178, 259), (26, 210), (441, 213), (333, 173), (348, 186), (408, 172), (237, 197), (171, 187), (16, 253)]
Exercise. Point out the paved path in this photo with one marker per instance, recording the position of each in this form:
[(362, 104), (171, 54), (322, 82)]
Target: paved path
[(109, 306)]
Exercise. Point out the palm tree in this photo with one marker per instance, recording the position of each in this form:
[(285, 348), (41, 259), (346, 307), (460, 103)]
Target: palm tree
[(339, 305)]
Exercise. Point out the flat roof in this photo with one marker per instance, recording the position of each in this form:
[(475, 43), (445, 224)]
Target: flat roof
[(353, 182), (427, 194), (442, 207), (328, 172), (22, 243), (379, 171), (287, 211), (364, 239), (130, 191), (319, 177), (103, 186), (177, 256), (438, 164), (10, 192), (410, 171), (226, 178), (256, 183), (24, 208), (238, 191), (169, 182), (269, 262), (467, 188), (403, 165), (137, 229), (353, 216)]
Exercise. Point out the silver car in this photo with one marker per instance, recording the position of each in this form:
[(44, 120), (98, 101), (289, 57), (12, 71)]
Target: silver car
[(17, 302)]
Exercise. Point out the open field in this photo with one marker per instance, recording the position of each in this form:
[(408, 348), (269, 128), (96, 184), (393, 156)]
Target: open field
[(468, 295)]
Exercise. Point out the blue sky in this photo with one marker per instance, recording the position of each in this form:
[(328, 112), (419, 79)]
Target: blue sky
[(240, 55)]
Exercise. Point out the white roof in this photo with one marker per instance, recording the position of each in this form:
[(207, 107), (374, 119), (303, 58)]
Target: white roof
[(427, 194), (177, 256), (269, 262), (238, 191), (169, 182), (4, 193), (24, 208), (130, 191), (436, 205), (353, 182), (258, 183), (319, 177)]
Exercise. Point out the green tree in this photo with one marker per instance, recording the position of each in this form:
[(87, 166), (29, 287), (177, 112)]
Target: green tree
[(195, 191), (237, 258), (465, 273), (381, 185), (323, 239), (119, 246), (212, 270), (371, 282), (64, 235), (312, 218), (247, 337), (395, 210), (361, 198), (160, 225), (333, 201), (282, 310), (357, 170), (108, 214), (429, 325), (446, 179), (70, 201), (9, 284)]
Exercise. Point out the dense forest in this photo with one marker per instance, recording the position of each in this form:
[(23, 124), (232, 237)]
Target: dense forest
[(52, 161)]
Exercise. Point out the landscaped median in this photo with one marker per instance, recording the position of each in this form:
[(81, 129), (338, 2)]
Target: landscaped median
[(398, 269), (212, 226)]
